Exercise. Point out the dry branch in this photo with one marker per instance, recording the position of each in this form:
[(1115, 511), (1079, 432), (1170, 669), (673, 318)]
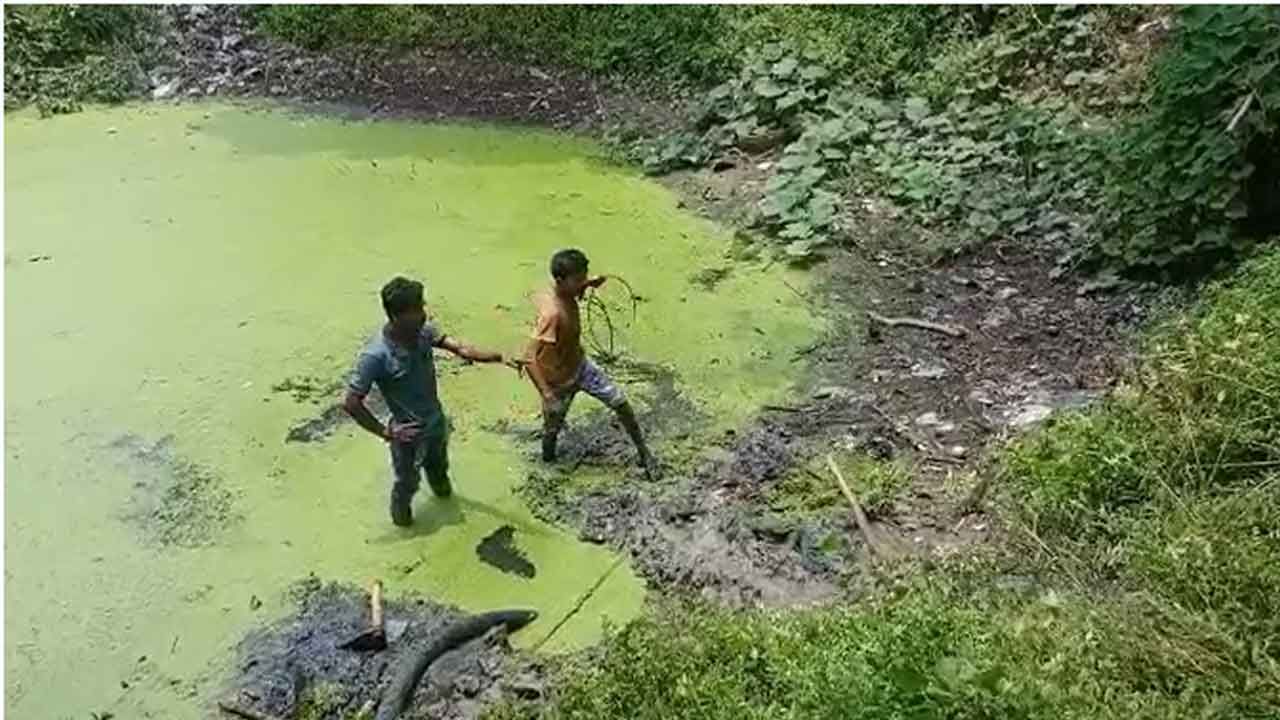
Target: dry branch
[(951, 330)]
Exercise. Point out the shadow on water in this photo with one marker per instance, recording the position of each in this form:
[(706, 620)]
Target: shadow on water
[(282, 131), (499, 550)]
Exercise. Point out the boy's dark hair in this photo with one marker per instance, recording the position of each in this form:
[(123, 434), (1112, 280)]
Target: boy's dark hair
[(568, 262), (400, 294)]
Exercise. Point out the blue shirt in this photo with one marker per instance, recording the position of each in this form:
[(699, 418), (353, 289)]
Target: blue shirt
[(405, 376)]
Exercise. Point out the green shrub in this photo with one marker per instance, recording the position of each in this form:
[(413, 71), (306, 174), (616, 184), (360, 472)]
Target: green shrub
[(697, 43), (1175, 180), (59, 56)]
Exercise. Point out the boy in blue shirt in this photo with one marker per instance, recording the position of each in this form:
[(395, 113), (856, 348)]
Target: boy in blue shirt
[(399, 360)]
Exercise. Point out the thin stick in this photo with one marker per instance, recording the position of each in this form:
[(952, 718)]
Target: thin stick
[(781, 408), (1244, 107), (951, 330), (581, 602), (240, 711), (858, 516)]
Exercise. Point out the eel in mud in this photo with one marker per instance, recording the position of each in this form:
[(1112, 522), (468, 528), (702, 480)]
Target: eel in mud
[(401, 690)]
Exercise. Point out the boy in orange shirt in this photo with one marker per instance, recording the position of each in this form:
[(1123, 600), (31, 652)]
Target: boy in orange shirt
[(559, 367)]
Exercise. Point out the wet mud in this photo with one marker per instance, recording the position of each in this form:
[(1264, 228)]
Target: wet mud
[(294, 667)]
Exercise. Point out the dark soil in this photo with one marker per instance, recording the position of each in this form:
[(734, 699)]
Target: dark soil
[(294, 666), (219, 54)]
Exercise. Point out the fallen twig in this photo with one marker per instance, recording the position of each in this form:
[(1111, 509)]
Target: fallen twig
[(1244, 107), (859, 517), (781, 408), (240, 711), (952, 330)]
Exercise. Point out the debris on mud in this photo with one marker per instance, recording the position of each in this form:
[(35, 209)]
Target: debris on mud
[(175, 502), (294, 667), (499, 550), (307, 389)]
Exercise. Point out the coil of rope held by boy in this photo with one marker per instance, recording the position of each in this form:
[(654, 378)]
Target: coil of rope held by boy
[(605, 317)]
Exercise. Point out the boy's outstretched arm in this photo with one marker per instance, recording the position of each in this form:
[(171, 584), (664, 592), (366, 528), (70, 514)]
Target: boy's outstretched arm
[(467, 351)]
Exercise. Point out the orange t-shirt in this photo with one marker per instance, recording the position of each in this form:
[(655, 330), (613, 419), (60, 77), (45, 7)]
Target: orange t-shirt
[(556, 347)]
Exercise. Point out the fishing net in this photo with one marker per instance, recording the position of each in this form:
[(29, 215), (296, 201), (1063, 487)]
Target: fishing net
[(609, 314)]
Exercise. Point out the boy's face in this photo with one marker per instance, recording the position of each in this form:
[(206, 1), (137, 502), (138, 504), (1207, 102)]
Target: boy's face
[(575, 284), (410, 321)]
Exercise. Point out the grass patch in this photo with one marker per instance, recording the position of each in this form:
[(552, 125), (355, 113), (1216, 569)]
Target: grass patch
[(810, 490), (1200, 416)]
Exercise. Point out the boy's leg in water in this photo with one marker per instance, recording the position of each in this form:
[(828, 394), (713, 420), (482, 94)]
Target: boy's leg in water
[(407, 477), (553, 417), (595, 383), (435, 462)]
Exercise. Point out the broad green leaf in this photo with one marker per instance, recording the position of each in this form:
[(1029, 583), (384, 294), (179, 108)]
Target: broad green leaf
[(767, 87), (796, 231), (813, 72), (916, 109), (791, 99), (799, 249)]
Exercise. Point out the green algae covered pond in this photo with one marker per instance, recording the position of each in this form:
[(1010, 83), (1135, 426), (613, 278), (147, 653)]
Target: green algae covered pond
[(168, 268)]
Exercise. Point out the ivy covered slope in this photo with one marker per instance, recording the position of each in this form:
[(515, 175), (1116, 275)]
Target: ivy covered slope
[(1032, 129)]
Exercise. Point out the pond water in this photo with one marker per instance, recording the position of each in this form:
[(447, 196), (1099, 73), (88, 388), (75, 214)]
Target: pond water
[(167, 267)]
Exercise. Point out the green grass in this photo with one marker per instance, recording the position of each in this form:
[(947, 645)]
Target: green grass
[(1142, 579), (811, 490)]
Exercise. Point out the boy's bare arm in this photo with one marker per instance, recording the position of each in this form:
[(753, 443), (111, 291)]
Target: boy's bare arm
[(355, 407), (467, 351)]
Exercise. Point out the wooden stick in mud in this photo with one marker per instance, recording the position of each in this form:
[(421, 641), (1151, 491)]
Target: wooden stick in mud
[(375, 608), (951, 330), (859, 517), (231, 708)]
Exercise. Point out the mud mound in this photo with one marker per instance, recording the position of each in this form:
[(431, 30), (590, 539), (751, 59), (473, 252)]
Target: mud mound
[(294, 667), (175, 502), (697, 542)]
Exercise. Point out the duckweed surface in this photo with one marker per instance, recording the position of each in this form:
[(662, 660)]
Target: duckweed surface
[(171, 272)]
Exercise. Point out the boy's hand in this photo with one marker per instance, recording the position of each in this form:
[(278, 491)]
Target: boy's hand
[(597, 281), (403, 432), (550, 402)]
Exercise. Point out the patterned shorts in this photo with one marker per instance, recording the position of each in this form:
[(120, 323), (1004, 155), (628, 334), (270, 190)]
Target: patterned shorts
[(592, 381)]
